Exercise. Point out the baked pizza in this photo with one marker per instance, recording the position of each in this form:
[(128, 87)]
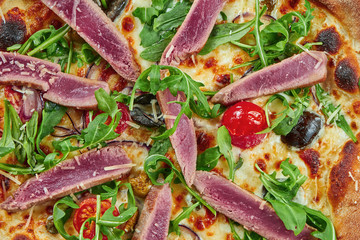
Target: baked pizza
[(167, 119)]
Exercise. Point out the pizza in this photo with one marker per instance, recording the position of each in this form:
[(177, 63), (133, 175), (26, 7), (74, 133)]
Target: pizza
[(166, 119)]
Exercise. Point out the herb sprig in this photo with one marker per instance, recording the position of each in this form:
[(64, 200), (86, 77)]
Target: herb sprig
[(161, 21), (177, 81), (289, 117), (332, 113), (153, 168), (294, 215)]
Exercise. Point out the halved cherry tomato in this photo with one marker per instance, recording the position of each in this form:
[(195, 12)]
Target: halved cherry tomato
[(87, 210), (125, 117), (243, 120)]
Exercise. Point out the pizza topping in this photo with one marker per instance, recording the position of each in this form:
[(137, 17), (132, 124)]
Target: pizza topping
[(330, 39), (33, 191), (194, 32), (243, 207), (333, 114), (65, 89), (97, 29), (347, 76), (87, 209), (244, 120), (155, 215), (312, 158), (299, 71), (12, 31), (305, 131)]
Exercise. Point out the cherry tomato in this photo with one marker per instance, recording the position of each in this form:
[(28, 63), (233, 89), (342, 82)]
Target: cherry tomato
[(14, 97), (125, 117), (87, 210), (243, 120)]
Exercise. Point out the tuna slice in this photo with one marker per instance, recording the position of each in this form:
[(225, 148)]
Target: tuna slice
[(194, 32), (154, 220), (245, 208), (190, 38), (85, 17), (65, 89), (302, 70), (73, 175)]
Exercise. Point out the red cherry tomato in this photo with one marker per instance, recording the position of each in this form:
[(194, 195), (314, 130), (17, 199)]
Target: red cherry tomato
[(125, 117), (243, 120), (14, 97), (87, 210)]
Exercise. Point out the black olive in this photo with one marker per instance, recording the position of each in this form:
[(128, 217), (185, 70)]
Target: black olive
[(115, 8), (144, 99), (141, 117), (50, 227), (12, 32), (305, 130)]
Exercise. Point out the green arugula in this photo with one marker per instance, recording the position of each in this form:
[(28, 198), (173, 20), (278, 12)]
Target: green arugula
[(51, 44), (160, 23), (332, 113), (174, 224), (149, 81), (24, 139), (208, 160), (289, 117), (154, 168), (233, 231), (273, 42), (294, 215), (97, 131), (107, 223), (160, 146)]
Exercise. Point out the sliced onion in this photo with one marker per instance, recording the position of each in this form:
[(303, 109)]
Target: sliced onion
[(189, 231)]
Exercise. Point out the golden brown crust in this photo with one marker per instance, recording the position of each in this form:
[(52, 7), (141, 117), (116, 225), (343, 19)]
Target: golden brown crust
[(347, 11), (343, 193)]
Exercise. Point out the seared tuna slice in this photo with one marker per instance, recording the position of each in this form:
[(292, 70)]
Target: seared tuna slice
[(16, 69), (194, 32), (72, 91), (154, 220), (184, 138), (73, 175), (245, 208), (85, 17), (64, 89), (302, 70)]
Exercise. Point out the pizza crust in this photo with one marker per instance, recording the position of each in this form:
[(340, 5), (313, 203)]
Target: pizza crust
[(347, 11), (344, 194)]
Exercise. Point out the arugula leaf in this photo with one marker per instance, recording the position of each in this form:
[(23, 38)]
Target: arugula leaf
[(288, 118), (294, 215), (61, 213), (224, 33), (332, 113), (51, 116), (225, 148), (235, 235), (154, 168), (160, 146), (175, 82), (207, 160), (6, 142), (160, 23), (174, 224), (252, 236)]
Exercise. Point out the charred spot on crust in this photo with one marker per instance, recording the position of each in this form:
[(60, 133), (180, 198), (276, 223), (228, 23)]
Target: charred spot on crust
[(339, 175), (311, 158), (346, 76), (293, 3), (12, 32), (223, 79), (21, 237), (330, 39)]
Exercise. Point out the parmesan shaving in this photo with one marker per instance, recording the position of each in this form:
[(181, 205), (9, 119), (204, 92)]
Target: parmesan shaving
[(67, 168), (131, 124), (3, 57), (333, 115), (170, 117), (30, 217), (171, 49), (119, 166), (46, 191), (2, 16), (148, 142), (261, 207), (4, 189), (153, 106), (10, 177), (82, 186), (76, 200)]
